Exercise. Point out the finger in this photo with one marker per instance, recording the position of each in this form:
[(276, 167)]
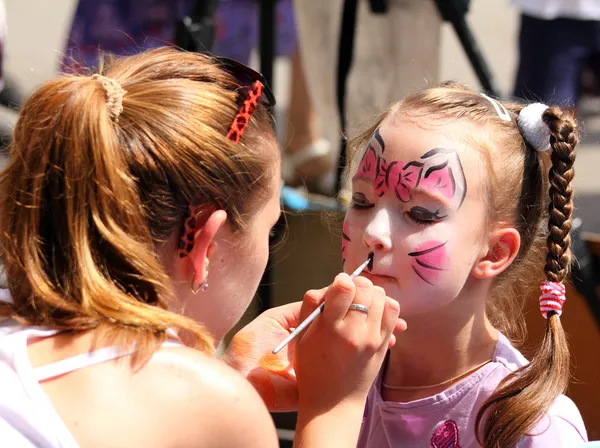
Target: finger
[(392, 341), (389, 320), (376, 309), (287, 315), (401, 326), (380, 290), (357, 319), (312, 299), (338, 298)]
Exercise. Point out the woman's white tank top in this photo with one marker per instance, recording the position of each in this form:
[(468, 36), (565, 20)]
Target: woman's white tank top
[(27, 417)]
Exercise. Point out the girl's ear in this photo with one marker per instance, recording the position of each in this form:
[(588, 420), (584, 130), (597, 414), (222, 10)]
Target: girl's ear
[(503, 247)]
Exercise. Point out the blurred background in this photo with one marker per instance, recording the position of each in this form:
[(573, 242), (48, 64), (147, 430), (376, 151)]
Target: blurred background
[(303, 47)]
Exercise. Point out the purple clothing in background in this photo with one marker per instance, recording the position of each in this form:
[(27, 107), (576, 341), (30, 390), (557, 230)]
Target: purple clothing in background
[(3, 33), (126, 27), (447, 420)]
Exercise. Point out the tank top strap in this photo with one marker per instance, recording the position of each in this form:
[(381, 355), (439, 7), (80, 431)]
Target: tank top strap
[(84, 360), (77, 362)]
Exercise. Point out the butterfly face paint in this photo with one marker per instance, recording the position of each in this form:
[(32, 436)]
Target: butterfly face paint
[(438, 170), (411, 208)]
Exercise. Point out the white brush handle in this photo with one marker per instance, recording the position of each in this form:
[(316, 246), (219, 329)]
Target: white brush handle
[(315, 313)]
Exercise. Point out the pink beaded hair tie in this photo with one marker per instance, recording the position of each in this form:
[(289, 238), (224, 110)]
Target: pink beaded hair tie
[(552, 298)]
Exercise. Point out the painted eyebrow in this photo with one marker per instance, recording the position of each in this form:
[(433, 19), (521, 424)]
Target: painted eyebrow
[(420, 191)]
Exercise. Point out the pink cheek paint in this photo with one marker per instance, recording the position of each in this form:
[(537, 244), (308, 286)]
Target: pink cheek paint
[(429, 260)]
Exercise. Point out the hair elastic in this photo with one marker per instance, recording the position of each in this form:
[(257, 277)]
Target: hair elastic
[(114, 95), (552, 298), (534, 129)]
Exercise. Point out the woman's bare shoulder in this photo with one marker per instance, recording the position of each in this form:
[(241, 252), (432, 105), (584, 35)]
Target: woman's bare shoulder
[(204, 402)]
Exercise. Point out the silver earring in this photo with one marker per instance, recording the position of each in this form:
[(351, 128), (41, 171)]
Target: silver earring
[(202, 286)]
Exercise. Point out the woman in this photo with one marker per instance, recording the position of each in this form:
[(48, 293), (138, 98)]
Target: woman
[(137, 203)]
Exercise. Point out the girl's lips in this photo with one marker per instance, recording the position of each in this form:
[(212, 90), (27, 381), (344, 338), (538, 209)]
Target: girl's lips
[(374, 276)]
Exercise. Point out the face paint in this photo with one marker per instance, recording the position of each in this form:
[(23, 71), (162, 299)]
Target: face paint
[(272, 377), (345, 241), (438, 171), (429, 260), (410, 207), (265, 388)]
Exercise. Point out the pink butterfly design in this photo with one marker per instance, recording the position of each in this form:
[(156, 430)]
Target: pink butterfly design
[(440, 178), (403, 179)]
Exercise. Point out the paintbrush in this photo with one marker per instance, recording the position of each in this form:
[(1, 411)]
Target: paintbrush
[(318, 311)]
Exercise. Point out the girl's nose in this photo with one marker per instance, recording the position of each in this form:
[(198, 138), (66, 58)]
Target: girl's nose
[(377, 235)]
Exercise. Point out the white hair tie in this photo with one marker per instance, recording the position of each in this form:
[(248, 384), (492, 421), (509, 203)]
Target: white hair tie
[(534, 129)]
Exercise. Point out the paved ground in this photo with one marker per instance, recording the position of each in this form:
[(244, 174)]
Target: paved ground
[(37, 31)]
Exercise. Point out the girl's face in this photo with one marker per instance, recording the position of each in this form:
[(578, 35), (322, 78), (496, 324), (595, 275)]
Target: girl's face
[(417, 205)]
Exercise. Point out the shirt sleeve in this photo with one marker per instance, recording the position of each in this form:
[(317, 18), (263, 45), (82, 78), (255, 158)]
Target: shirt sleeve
[(562, 425)]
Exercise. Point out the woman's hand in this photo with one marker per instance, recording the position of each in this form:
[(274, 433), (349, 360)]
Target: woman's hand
[(339, 355), (274, 376), (338, 358), (250, 353)]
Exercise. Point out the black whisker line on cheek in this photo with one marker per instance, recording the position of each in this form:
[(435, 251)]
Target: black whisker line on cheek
[(426, 251), (420, 276), (428, 266), (344, 236)]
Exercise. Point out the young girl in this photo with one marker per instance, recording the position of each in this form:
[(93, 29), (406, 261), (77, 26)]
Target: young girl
[(451, 193)]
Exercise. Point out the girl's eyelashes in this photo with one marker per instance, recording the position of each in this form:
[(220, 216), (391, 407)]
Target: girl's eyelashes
[(359, 201), (423, 216)]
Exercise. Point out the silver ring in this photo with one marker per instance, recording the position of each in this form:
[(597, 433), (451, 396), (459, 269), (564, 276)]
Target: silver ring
[(359, 307)]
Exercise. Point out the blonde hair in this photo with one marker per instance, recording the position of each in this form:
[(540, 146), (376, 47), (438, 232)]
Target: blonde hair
[(87, 198), (523, 396)]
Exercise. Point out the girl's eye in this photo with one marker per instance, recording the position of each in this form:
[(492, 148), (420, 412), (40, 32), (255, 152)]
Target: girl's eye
[(423, 216), (359, 201)]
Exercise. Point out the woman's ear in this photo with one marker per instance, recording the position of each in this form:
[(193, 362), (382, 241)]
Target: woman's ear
[(204, 243), (503, 247)]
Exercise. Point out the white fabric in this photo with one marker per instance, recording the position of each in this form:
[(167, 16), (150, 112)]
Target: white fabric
[(532, 126), (552, 9), (27, 417)]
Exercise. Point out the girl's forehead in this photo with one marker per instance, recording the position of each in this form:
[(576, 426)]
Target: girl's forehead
[(419, 154), (409, 140)]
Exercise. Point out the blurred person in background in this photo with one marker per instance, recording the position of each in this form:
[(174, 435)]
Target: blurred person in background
[(9, 97), (125, 27), (558, 42)]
